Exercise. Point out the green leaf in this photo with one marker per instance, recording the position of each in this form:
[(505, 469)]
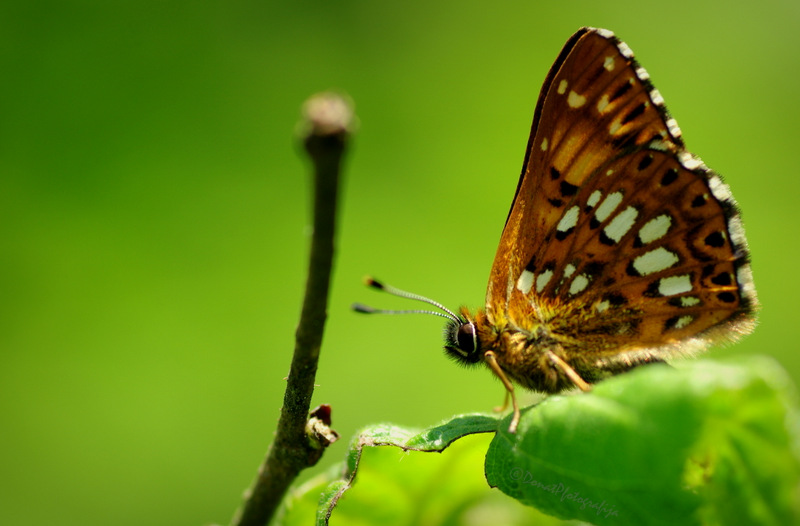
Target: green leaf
[(433, 439), (401, 482), (410, 488), (706, 443), (404, 484)]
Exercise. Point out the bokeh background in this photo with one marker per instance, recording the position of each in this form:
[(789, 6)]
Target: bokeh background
[(154, 211)]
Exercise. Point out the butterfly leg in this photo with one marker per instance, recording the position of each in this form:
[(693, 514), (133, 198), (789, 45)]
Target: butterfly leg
[(569, 371), (500, 409), (491, 361)]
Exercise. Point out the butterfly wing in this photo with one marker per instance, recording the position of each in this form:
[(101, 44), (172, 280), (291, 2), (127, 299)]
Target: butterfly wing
[(618, 238)]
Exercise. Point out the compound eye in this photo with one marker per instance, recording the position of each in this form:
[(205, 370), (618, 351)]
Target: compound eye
[(466, 338)]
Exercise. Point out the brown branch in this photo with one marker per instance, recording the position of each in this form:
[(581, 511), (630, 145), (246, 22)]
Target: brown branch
[(328, 120)]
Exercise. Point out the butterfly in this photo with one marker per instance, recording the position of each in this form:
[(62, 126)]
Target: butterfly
[(621, 248)]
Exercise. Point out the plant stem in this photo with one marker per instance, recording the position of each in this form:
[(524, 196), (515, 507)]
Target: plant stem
[(327, 124)]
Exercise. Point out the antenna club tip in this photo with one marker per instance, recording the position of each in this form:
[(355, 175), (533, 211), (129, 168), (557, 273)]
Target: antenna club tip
[(372, 282), (358, 307)]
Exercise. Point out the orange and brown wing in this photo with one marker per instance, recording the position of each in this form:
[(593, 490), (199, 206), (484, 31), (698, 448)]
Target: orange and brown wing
[(605, 173)]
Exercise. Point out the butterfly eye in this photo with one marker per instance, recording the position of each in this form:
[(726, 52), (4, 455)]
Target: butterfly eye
[(462, 342), (467, 339)]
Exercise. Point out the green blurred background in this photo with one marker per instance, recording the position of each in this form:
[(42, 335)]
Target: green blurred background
[(154, 216)]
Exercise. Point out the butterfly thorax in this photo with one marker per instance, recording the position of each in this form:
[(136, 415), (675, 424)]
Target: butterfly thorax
[(523, 353)]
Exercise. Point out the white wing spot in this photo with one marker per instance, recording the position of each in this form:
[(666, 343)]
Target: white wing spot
[(574, 100), (544, 144), (658, 145), (602, 306), (736, 231), (683, 321), (689, 161), (542, 279), (621, 224), (569, 270), (562, 87), (690, 301), (605, 33), (580, 282), (720, 190), (602, 104), (614, 127), (642, 74), (608, 63), (525, 281), (675, 285), (656, 97), (656, 228), (569, 220), (594, 198), (624, 50), (609, 204), (655, 261), (744, 276), (674, 129)]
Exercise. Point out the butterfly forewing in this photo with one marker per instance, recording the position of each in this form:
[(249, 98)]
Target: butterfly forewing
[(660, 267), (618, 239)]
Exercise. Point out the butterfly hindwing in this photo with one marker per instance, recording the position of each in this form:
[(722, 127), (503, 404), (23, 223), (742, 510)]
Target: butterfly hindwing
[(653, 257), (617, 237)]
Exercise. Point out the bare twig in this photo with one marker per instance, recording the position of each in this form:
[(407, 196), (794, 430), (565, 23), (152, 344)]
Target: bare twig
[(327, 124)]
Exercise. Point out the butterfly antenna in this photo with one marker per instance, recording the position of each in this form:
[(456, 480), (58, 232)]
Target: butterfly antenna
[(370, 282)]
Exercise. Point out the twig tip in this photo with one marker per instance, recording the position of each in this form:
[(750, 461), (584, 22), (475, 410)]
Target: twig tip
[(328, 113)]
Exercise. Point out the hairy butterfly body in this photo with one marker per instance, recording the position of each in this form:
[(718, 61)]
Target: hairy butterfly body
[(621, 247)]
